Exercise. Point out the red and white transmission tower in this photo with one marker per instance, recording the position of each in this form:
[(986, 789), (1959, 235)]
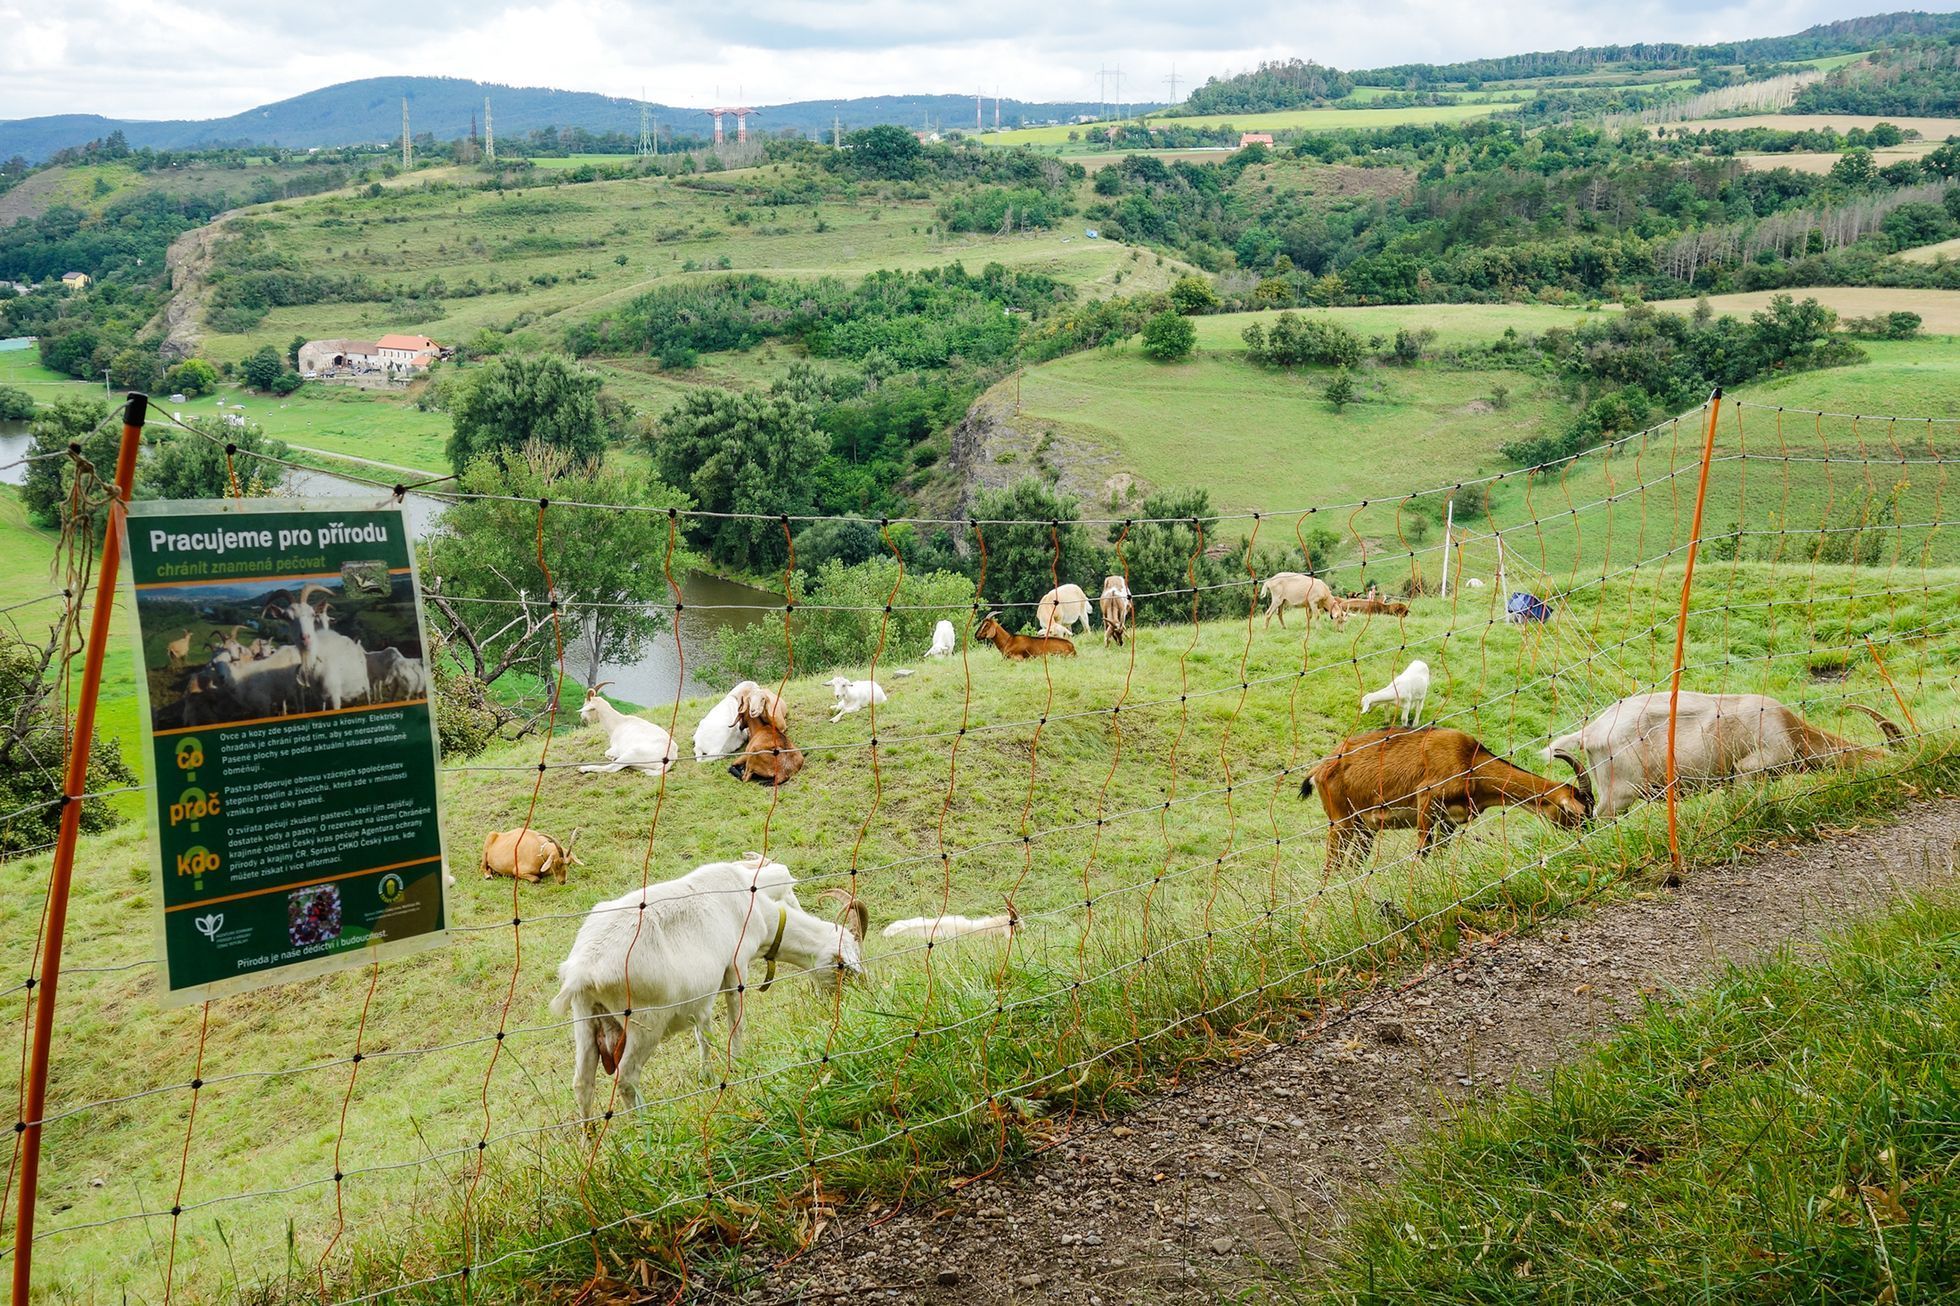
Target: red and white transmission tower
[(741, 113)]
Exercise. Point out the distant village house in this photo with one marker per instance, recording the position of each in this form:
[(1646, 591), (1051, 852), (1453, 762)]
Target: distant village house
[(75, 280), (390, 356), (1255, 138)]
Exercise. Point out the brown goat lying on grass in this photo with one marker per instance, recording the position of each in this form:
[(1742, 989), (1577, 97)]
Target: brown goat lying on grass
[(1432, 778), (527, 855), (770, 758), (1372, 605), (1018, 648)]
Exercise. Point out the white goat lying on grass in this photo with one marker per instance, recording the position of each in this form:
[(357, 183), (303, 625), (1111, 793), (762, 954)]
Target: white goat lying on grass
[(649, 964), (854, 696), (631, 742), (1408, 691), (943, 928), (720, 734), (942, 640)]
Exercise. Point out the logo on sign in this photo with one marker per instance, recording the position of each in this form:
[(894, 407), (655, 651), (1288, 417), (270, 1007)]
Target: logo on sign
[(391, 887), (209, 925)]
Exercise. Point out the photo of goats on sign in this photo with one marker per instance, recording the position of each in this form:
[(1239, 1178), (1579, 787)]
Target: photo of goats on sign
[(246, 651)]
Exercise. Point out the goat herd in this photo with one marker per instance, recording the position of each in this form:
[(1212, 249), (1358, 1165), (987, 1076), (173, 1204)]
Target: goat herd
[(652, 962), (295, 662)]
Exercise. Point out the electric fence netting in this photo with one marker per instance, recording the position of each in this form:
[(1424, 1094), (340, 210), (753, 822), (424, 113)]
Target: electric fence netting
[(1103, 867)]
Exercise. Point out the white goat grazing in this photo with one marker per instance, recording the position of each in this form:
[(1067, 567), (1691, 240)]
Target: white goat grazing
[(720, 734), (1294, 589), (943, 640), (394, 677), (330, 664), (1060, 608), (943, 928), (630, 741), (1620, 756), (267, 686), (854, 696), (649, 964), (1408, 691)]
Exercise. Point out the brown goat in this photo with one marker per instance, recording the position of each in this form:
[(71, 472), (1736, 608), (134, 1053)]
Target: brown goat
[(527, 855), (1019, 648), (770, 758), (1432, 778), (1370, 605)]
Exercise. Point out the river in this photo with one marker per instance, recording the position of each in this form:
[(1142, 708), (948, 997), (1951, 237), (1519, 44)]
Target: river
[(13, 443), (710, 602)]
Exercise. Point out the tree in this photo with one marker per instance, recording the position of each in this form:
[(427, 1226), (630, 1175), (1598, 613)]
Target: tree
[(742, 453), (15, 405), (191, 378), (136, 369), (885, 151), (1340, 389), (1192, 294), (1855, 170), (34, 736), (195, 467), (527, 399), (490, 600), (840, 618), (68, 420), (262, 368), (1169, 337), (1027, 556), (1165, 558), (292, 350)]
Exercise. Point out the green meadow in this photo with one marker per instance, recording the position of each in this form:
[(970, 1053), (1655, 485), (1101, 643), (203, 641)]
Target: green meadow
[(1205, 862)]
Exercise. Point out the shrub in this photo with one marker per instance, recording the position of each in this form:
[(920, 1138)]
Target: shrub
[(15, 405), (1340, 389), (827, 638), (191, 378), (1169, 337), (1193, 294)]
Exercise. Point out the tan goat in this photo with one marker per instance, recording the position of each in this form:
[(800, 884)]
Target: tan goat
[(527, 855)]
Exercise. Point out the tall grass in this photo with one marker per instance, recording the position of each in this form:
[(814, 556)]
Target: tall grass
[(1788, 1136)]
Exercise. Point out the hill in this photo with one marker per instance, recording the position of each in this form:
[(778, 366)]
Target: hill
[(369, 111), (1846, 36)]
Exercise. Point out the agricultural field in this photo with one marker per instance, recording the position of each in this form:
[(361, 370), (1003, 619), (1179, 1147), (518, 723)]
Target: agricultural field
[(1282, 120), (1938, 309), (416, 1109), (1934, 253), (1931, 129), (1821, 161), (546, 258)]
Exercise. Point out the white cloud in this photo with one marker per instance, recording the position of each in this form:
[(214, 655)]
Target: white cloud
[(170, 59)]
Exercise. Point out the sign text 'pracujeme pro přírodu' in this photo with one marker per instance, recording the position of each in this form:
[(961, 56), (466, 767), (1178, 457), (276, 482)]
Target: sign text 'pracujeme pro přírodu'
[(286, 700)]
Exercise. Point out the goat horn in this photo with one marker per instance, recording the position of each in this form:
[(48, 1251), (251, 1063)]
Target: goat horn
[(306, 592), (594, 691), (856, 916), (569, 842), (1886, 725)]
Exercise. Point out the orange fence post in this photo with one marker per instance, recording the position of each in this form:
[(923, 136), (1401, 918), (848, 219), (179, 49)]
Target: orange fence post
[(1681, 634), (74, 786)]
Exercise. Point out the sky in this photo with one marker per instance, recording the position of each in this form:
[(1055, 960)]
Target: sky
[(213, 58)]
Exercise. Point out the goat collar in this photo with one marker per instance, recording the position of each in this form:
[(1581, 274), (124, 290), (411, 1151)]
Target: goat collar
[(775, 946)]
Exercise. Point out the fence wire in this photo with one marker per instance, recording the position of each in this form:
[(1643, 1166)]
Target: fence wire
[(1102, 869)]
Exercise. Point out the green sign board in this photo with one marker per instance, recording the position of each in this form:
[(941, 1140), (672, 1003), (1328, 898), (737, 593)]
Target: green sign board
[(291, 733)]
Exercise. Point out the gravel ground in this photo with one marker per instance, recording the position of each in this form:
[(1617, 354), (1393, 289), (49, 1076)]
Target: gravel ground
[(1193, 1197)]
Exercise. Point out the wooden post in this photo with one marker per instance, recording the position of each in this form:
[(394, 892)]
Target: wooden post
[(74, 786), (1681, 635)]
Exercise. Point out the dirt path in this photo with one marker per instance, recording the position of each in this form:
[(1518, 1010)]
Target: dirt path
[(1187, 1199)]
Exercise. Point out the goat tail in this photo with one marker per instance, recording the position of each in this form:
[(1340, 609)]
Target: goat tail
[(1306, 787), (1886, 725), (567, 985)]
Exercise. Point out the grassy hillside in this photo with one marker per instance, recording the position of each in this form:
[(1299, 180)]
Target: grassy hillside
[(1280, 444), (1282, 120), (545, 258), (1783, 1135), (1197, 703)]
